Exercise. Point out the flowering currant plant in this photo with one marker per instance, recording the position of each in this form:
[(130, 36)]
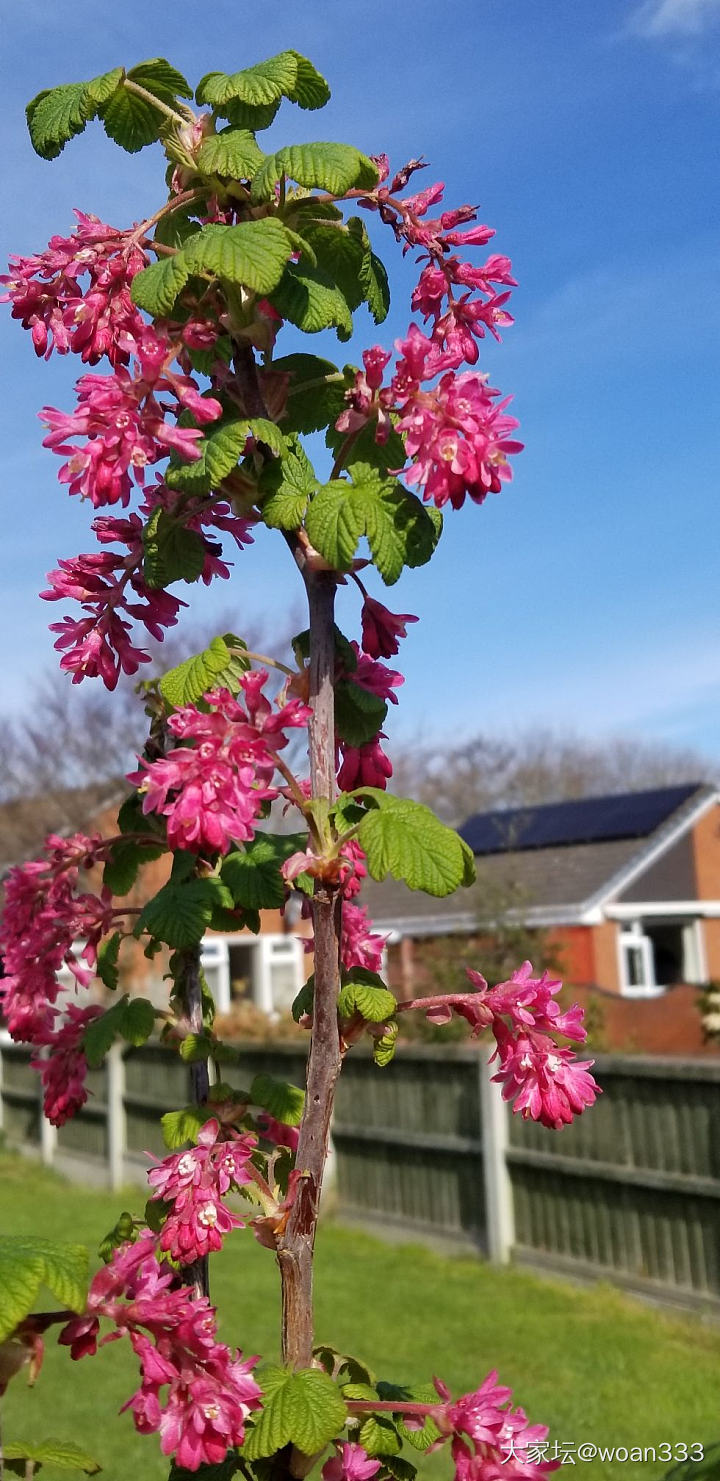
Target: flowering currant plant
[(187, 433)]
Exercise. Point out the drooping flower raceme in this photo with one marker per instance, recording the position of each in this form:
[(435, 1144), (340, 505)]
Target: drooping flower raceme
[(194, 1391), (194, 1184), (212, 787), (490, 1439)]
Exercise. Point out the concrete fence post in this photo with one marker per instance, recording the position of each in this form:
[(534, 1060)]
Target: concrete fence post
[(2, 1103), (499, 1211), (116, 1139)]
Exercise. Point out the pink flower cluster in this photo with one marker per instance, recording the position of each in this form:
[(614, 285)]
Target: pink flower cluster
[(545, 1082), (211, 788), (351, 1463), (46, 296), (360, 946), (490, 1439), (45, 916), (194, 1183), (457, 433), (194, 1391), (381, 629), (108, 583)]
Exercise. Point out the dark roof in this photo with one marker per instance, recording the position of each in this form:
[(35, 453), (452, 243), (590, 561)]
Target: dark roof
[(627, 815)]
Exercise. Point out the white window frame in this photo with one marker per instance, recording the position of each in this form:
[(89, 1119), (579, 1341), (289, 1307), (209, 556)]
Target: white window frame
[(266, 949), (632, 938)]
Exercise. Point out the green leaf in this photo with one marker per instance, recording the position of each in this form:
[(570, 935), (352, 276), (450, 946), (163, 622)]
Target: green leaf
[(180, 913), (365, 993), (375, 286), (101, 88), (125, 859), (159, 77), (284, 1101), (335, 521), (310, 300), (56, 115), (399, 1468), (249, 116), (359, 714), (107, 960), (174, 229), (172, 552), (303, 1003), (252, 254), (179, 1127), (63, 1454), (156, 287), (405, 839), (323, 166), (340, 255), (26, 1264), (302, 1409), (233, 153), (384, 1047), (122, 1231), (215, 667), (252, 874), (379, 1436), (287, 75), (196, 1047), (132, 1019), (316, 394), (290, 482), (220, 451)]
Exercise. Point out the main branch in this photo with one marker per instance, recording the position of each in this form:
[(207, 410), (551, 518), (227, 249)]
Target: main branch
[(295, 1247)]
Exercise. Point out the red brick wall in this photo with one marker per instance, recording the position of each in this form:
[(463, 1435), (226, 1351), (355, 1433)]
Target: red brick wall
[(706, 850)]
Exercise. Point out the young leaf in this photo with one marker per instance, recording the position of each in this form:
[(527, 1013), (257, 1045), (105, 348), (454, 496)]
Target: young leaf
[(107, 960), (138, 1021), (179, 1127), (172, 552), (335, 521), (132, 120), (290, 482), (323, 166), (303, 1409), (366, 993), (56, 115), (124, 861), (233, 153), (252, 874), (384, 1047), (252, 254), (405, 839), (375, 286), (63, 1454), (303, 1003), (215, 666), (284, 1101), (310, 300), (132, 1019), (378, 1435), (159, 77), (29, 1262), (101, 88), (122, 1230), (287, 75), (359, 714), (340, 255), (180, 914), (156, 287)]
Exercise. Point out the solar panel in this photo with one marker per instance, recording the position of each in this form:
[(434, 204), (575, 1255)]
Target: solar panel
[(582, 820)]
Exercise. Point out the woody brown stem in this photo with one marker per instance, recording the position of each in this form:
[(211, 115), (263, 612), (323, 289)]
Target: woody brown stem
[(295, 1246)]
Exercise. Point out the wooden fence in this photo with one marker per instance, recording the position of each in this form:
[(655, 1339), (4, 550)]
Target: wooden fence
[(426, 1150)]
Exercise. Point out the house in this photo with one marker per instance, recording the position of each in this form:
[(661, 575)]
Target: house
[(627, 888)]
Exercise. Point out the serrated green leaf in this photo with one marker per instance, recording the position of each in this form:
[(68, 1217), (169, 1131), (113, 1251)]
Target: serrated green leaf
[(252, 874), (398, 528), (158, 76), (233, 153), (379, 1436), (101, 88), (26, 1264), (196, 676), (122, 1231), (258, 90), (290, 483), (179, 1127), (405, 839), (172, 551), (284, 1101), (335, 521), (316, 393), (56, 115), (398, 1467), (220, 451), (174, 229), (107, 960), (302, 1408), (421, 1439), (247, 116), (384, 1047), (311, 301), (310, 89), (366, 993), (196, 1047), (63, 1454), (252, 254), (138, 1021), (322, 165), (156, 288), (303, 1003), (130, 121), (132, 1019), (375, 286), (180, 913), (340, 254), (359, 714)]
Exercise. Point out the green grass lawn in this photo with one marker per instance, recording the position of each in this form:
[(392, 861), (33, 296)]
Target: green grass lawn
[(591, 1364)]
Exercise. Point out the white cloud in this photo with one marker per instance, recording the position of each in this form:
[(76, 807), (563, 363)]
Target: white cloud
[(659, 18)]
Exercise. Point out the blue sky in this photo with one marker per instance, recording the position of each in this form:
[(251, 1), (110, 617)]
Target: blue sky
[(586, 594)]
